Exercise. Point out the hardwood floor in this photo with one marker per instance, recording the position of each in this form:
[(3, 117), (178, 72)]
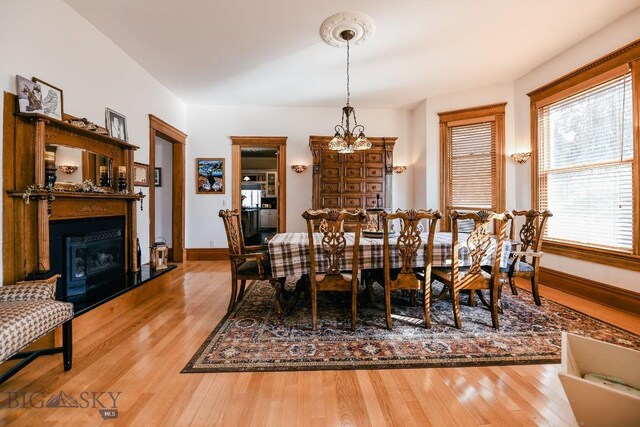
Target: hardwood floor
[(140, 355)]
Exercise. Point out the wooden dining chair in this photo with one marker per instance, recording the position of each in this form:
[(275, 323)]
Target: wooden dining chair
[(327, 267), (474, 278), (525, 260), (247, 262), (409, 242)]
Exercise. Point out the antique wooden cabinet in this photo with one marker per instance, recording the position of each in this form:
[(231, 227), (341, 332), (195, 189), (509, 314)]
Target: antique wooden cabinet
[(356, 180)]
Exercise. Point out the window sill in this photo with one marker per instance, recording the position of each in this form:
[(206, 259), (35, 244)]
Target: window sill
[(610, 257)]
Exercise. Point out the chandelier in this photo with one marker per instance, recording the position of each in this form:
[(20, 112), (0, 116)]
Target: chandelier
[(348, 139)]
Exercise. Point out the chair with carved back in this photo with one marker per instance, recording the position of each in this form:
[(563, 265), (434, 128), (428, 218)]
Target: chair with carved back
[(409, 243), (329, 267), (525, 262), (474, 278), (247, 262)]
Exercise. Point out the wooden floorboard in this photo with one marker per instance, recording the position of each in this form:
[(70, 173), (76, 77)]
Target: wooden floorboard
[(140, 355)]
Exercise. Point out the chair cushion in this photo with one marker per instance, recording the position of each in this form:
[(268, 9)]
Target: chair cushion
[(22, 322), (30, 290), (522, 267), (249, 269)]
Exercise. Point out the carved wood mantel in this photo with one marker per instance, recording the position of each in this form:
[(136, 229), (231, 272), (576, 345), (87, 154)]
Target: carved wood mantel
[(26, 226)]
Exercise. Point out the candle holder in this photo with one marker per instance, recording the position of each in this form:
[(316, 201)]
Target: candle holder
[(105, 180), (122, 184)]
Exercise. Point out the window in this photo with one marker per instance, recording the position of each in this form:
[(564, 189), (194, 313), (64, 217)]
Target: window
[(250, 198), (585, 160), (472, 143), (585, 156)]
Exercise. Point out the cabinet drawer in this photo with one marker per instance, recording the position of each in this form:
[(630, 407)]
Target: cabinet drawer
[(353, 157), (373, 172), (330, 187), (353, 172), (332, 172), (374, 187), (372, 201), (374, 157), (349, 202), (352, 187), (330, 156), (331, 202)]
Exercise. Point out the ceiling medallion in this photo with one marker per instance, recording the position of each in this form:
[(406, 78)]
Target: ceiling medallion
[(362, 26), (347, 139)]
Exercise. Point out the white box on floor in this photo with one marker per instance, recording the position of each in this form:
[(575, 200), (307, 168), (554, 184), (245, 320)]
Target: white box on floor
[(596, 404)]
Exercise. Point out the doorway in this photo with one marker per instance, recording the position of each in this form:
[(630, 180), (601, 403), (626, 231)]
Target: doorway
[(260, 163), (166, 210)]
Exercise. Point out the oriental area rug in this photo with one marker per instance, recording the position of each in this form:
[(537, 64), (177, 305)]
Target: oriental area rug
[(253, 338)]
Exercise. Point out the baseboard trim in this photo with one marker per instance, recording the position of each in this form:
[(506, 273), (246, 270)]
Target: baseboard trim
[(207, 254), (618, 298)]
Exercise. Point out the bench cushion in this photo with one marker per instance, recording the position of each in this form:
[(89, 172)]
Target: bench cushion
[(22, 322)]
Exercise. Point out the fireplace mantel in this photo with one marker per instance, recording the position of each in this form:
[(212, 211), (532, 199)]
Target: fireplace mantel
[(26, 226)]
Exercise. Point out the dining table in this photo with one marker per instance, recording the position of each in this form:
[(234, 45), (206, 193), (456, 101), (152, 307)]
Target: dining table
[(289, 256)]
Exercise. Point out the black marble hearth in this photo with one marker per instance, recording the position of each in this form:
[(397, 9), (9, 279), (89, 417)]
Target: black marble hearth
[(130, 281)]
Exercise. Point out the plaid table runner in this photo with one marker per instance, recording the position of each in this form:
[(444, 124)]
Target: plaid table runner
[(289, 253)]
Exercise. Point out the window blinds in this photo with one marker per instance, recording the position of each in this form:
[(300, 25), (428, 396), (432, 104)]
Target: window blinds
[(472, 166), (585, 155)]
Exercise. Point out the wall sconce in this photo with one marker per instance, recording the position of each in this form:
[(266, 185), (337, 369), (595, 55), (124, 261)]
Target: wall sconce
[(298, 168), (521, 157), (68, 168), (399, 169)]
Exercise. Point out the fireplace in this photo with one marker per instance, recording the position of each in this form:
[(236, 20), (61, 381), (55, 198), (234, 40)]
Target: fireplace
[(89, 254)]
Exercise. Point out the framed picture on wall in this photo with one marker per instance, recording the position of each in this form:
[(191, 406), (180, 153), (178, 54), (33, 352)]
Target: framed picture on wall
[(29, 96), (51, 99), (157, 177), (140, 175), (210, 176), (116, 124)]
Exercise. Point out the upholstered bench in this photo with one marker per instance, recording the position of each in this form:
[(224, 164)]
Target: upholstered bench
[(29, 311)]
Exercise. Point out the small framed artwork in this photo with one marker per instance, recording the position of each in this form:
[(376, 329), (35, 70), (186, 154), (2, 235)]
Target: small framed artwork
[(140, 175), (29, 96), (52, 101), (210, 176), (157, 177), (116, 125)]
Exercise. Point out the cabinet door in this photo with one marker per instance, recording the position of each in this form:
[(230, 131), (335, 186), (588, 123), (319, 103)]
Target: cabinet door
[(272, 184)]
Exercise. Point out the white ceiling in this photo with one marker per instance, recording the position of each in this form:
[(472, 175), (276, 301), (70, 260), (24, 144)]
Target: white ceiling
[(269, 52)]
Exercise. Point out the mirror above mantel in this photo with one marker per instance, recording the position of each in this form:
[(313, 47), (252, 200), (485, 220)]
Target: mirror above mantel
[(73, 165)]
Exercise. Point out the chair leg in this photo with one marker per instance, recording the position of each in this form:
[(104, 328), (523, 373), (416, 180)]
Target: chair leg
[(534, 289), (241, 292), (426, 291), (234, 290), (413, 299), (314, 307), (443, 292), (455, 298), (512, 284), (472, 299), (354, 305), (493, 299), (67, 345), (387, 305)]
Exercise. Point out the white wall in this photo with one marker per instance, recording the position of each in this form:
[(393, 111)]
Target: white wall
[(209, 129), (419, 155), (163, 196), (49, 40), (612, 37)]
